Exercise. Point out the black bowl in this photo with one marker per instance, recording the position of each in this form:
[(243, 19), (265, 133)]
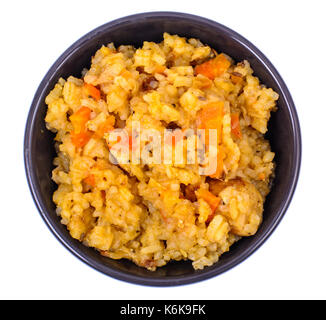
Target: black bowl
[(284, 135)]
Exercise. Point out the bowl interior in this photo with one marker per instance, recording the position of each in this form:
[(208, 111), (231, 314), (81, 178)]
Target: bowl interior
[(39, 147)]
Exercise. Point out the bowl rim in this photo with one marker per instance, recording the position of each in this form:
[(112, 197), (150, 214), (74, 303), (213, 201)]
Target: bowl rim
[(175, 280)]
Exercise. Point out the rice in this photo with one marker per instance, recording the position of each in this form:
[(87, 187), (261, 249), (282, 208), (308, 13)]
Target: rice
[(153, 212)]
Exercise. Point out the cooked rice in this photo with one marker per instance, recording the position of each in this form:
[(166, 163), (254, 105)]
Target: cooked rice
[(154, 213)]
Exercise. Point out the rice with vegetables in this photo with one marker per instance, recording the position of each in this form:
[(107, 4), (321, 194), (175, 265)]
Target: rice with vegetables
[(149, 212)]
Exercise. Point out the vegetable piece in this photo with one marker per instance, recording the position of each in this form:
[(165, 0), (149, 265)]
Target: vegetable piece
[(80, 135), (90, 180), (211, 117), (210, 218), (159, 69), (261, 176), (80, 139), (235, 125), (126, 74), (80, 118), (214, 67), (92, 91), (236, 78), (212, 200)]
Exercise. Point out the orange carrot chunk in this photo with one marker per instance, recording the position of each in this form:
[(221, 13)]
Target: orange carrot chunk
[(235, 125), (79, 119), (212, 200), (80, 135), (214, 67), (159, 69), (90, 180), (261, 176), (92, 91), (236, 78), (211, 117), (80, 139)]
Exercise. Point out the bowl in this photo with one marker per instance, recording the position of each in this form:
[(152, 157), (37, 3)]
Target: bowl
[(283, 134)]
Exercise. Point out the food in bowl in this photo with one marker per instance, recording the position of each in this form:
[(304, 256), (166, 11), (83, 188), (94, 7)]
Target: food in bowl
[(135, 139)]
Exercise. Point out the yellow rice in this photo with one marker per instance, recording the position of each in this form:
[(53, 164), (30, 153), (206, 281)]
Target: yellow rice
[(144, 212)]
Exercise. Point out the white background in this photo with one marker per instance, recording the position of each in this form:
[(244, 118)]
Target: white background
[(291, 264)]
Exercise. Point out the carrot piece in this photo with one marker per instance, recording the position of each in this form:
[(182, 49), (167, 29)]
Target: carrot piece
[(105, 127), (90, 180), (79, 119), (235, 125), (210, 218), (80, 135), (126, 74), (236, 77), (81, 138), (92, 91), (159, 69), (212, 200), (261, 176), (211, 117), (214, 67)]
